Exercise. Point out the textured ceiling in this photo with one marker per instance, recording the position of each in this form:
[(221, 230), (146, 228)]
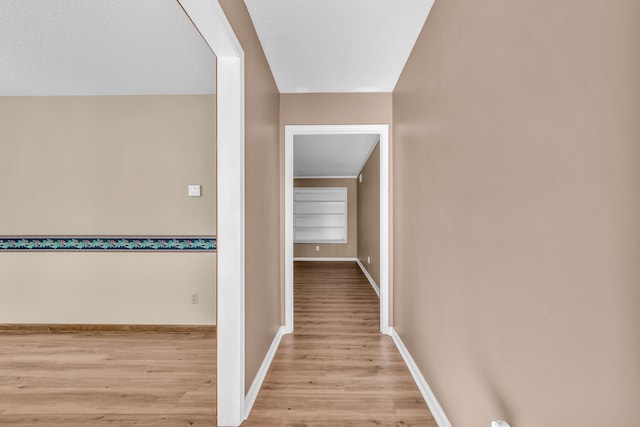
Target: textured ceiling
[(96, 47), (338, 45), (340, 155)]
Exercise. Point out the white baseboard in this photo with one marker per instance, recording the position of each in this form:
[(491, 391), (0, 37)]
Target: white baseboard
[(252, 394), (366, 273), (323, 259), (425, 390)]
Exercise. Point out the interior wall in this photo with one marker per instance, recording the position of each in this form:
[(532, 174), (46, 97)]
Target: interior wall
[(333, 250), (334, 109), (517, 206), (107, 165), (262, 189), (116, 166), (369, 215), (107, 288)]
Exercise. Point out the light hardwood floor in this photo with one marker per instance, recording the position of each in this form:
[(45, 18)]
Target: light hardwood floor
[(336, 369), (107, 378)]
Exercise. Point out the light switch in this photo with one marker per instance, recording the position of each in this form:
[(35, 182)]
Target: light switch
[(194, 190)]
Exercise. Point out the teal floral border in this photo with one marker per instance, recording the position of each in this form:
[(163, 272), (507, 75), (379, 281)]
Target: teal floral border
[(107, 243)]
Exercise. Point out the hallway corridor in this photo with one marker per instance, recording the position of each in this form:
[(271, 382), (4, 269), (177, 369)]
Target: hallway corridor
[(336, 369)]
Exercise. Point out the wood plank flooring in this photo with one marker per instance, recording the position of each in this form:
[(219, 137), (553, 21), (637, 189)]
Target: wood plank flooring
[(337, 369), (107, 378)]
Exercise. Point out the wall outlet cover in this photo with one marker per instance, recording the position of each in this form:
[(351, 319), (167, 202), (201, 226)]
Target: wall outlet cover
[(194, 190)]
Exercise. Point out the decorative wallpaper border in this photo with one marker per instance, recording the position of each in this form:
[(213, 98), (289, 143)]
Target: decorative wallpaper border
[(107, 243)]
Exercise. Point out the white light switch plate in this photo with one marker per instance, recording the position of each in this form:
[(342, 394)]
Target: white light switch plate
[(194, 190)]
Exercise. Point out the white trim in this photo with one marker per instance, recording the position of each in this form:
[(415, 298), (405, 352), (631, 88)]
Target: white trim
[(210, 20), (288, 231), (252, 394), (383, 131), (212, 24), (435, 408), (385, 226), (321, 242), (230, 255), (369, 278), (325, 177)]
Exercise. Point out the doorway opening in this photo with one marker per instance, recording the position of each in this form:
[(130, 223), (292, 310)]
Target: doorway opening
[(211, 21), (293, 131)]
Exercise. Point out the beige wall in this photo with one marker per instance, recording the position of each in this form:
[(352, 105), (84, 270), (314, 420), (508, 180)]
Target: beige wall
[(107, 165), (262, 185), (517, 211), (333, 250), (334, 109), (107, 288), (116, 165), (369, 215)]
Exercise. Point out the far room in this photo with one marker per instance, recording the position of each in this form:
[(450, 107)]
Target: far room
[(108, 227)]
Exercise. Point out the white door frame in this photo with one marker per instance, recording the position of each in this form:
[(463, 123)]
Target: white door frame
[(383, 131), (210, 20)]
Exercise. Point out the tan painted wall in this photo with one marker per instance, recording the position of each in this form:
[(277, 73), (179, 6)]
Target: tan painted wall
[(116, 165), (262, 185), (333, 250), (517, 211), (334, 109), (107, 165), (108, 288), (369, 215)]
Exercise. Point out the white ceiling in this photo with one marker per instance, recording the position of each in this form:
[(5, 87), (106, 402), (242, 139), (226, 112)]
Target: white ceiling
[(101, 47), (338, 45), (340, 155)]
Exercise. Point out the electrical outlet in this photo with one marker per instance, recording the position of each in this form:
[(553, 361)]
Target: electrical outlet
[(194, 190), (317, 248), (194, 298)]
